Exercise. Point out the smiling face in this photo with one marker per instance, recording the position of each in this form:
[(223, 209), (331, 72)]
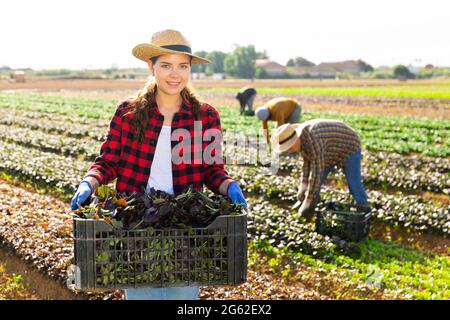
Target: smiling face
[(171, 73)]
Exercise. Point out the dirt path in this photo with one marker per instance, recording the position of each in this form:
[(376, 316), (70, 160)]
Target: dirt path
[(35, 284), (74, 84)]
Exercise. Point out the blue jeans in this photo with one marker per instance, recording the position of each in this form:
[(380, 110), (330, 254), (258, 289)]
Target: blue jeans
[(172, 293), (352, 171)]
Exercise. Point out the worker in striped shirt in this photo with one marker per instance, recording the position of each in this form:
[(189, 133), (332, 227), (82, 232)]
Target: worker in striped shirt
[(282, 110), (323, 144)]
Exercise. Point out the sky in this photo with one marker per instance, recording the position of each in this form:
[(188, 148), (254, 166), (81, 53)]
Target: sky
[(51, 34)]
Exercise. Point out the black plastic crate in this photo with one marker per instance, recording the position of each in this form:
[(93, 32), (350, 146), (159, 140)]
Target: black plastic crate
[(107, 258), (347, 221)]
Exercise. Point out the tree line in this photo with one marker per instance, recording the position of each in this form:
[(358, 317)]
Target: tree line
[(240, 63)]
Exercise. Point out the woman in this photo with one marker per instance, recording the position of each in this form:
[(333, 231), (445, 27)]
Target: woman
[(145, 132)]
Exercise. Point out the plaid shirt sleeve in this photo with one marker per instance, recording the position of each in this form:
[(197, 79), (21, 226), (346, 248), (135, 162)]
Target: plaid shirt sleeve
[(305, 173), (104, 168), (317, 164), (215, 173)]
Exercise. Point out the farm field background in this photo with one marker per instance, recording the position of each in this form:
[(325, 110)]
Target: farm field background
[(50, 131), (438, 91), (221, 93)]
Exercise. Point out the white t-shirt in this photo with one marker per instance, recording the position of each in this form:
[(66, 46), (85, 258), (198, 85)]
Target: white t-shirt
[(161, 170)]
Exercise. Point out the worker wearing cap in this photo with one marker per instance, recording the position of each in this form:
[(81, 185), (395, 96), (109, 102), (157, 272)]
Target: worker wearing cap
[(323, 144), (281, 110)]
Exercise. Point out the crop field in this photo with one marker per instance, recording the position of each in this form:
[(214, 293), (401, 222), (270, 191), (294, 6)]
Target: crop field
[(48, 140), (423, 92)]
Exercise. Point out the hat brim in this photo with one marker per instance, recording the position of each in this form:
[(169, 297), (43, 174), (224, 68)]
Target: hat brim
[(145, 51), (285, 146), (288, 144)]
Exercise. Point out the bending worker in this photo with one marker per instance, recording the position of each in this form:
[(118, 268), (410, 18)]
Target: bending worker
[(322, 144), (246, 96), (281, 110)]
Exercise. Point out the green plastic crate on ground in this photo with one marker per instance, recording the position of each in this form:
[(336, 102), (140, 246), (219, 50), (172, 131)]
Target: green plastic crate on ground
[(346, 221), (107, 258)]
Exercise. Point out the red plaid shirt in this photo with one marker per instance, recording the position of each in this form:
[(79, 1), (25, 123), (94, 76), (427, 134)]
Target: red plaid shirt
[(129, 161)]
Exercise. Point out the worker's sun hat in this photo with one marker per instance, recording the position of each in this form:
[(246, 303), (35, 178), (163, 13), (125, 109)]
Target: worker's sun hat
[(285, 136), (166, 42), (262, 113)]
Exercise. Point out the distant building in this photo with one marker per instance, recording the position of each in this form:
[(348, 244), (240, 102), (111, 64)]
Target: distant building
[(300, 62), (19, 76), (328, 69), (218, 76), (198, 75), (414, 69), (272, 69)]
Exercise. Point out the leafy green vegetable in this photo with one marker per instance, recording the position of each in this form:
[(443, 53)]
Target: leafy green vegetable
[(156, 209)]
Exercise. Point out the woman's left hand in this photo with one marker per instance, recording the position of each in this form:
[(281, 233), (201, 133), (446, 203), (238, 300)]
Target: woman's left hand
[(235, 194)]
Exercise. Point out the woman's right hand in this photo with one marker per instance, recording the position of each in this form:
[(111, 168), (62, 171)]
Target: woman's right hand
[(84, 191)]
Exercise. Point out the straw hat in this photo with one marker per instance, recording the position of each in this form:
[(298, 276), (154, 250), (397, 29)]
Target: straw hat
[(285, 136), (166, 42)]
